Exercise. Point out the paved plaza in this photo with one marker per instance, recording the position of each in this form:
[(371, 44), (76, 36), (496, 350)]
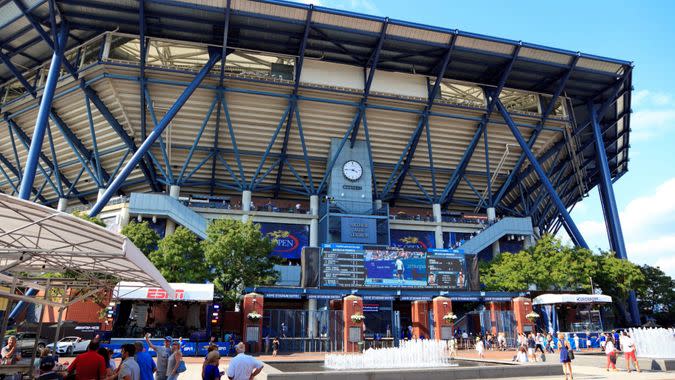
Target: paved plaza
[(589, 367)]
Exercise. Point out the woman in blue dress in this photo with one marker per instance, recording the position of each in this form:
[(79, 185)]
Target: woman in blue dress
[(565, 357)]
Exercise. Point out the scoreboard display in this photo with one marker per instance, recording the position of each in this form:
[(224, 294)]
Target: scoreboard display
[(353, 266), (446, 270), (342, 267)]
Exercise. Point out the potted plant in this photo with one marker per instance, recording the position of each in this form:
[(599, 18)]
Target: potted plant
[(450, 317), (358, 317), (254, 316), (532, 316)]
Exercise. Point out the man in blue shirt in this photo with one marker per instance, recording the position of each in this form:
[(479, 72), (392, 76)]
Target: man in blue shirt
[(145, 362)]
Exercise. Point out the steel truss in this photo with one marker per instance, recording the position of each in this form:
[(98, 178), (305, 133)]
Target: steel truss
[(547, 200)]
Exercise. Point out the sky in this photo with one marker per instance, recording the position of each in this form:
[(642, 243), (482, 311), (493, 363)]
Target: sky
[(641, 32)]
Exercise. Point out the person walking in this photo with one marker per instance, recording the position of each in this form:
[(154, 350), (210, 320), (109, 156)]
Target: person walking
[(144, 361), (628, 348), (163, 353), (531, 345), (89, 365), (610, 351), (566, 356), (174, 361), (275, 346), (128, 369), (211, 363), (242, 366), (480, 347)]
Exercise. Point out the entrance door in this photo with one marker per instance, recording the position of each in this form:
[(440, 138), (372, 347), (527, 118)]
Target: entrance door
[(396, 326)]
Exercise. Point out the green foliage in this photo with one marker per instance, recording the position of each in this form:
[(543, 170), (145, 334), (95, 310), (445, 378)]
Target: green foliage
[(657, 295), (93, 219), (549, 265), (617, 277), (239, 255), (180, 258), (143, 237)]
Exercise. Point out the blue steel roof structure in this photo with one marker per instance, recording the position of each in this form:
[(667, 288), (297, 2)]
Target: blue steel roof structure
[(27, 28)]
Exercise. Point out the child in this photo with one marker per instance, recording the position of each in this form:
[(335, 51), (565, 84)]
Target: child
[(480, 347)]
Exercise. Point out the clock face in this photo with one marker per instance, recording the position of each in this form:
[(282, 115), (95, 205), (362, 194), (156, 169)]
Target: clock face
[(352, 170)]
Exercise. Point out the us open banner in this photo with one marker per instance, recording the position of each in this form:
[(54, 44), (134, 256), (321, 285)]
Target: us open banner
[(290, 238), (410, 239)]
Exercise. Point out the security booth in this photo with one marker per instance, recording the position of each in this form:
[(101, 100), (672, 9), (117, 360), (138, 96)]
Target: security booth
[(579, 314), (140, 309)]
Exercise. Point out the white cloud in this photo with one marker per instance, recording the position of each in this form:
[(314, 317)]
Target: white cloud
[(315, 2), (648, 225), (654, 115)]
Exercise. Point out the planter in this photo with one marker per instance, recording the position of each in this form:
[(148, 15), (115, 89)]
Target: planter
[(357, 318), (253, 316)]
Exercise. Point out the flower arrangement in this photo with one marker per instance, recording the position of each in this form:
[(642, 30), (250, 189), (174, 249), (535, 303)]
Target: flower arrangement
[(532, 316), (253, 316), (358, 317), (450, 317)]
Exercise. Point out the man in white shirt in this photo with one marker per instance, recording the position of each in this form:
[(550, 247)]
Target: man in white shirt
[(242, 366), (399, 268)]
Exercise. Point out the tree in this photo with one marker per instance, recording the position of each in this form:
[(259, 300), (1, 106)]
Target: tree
[(616, 278), (93, 219), (143, 237), (657, 295), (549, 265), (180, 258), (239, 255)]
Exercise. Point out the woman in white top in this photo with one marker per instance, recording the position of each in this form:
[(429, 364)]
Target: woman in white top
[(610, 351), (521, 357), (480, 347)]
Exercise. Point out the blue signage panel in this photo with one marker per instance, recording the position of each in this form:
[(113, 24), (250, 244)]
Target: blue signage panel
[(358, 230), (409, 239), (290, 238)]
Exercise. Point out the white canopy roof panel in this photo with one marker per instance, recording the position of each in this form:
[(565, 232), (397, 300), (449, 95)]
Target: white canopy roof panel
[(36, 239), (183, 292), (548, 299)]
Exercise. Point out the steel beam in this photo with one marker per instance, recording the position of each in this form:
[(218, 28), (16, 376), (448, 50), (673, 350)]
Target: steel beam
[(42, 119), (423, 122), (293, 102), (373, 61), (458, 173), (533, 138), (214, 56), (576, 234)]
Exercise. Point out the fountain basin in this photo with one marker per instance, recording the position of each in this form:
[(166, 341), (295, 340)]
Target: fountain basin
[(467, 369)]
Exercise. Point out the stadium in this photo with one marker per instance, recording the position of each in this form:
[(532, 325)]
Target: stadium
[(365, 137)]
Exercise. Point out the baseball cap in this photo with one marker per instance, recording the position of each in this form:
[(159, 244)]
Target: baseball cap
[(168, 337)]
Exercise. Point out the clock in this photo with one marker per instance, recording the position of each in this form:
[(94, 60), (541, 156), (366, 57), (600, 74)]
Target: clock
[(352, 170)]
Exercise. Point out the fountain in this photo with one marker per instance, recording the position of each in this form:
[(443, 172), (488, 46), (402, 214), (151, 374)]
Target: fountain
[(410, 354), (656, 343)]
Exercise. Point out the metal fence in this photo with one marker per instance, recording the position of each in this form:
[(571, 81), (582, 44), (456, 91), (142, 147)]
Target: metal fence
[(304, 330)]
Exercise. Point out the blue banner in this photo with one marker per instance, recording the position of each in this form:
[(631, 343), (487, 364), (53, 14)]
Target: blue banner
[(290, 238), (358, 230), (409, 239)]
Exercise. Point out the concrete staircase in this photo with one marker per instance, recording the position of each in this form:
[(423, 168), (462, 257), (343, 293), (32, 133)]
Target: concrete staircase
[(505, 226), (164, 205)]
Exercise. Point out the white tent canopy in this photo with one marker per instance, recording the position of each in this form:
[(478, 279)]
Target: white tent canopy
[(549, 299), (36, 239)]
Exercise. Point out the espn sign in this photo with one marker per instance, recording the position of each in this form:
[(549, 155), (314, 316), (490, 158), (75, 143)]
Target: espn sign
[(161, 294)]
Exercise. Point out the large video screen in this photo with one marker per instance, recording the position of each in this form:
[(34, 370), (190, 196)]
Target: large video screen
[(395, 267), (368, 266)]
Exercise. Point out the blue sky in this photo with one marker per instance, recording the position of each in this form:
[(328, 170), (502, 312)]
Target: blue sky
[(642, 32)]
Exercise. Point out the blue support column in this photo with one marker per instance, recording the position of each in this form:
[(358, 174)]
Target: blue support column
[(214, 56), (575, 233), (43, 116), (609, 201)]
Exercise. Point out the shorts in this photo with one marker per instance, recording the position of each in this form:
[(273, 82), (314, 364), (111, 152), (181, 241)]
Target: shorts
[(630, 355)]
